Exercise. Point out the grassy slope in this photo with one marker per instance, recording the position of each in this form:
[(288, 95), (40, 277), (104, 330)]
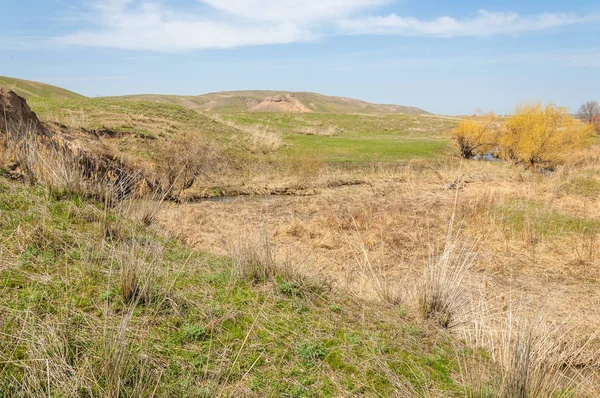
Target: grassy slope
[(153, 120), (202, 331), (236, 101), (358, 138), (29, 89)]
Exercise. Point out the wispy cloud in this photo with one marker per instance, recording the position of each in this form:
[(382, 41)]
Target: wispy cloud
[(303, 11), (485, 23), (148, 25)]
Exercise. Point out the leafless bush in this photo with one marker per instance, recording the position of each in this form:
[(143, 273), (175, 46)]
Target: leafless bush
[(180, 162)]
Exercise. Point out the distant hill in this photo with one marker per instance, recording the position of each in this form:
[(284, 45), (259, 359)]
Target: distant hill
[(276, 101), (29, 89), (229, 101)]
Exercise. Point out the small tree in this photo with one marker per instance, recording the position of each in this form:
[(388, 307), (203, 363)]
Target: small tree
[(589, 112), (476, 135), (543, 135)]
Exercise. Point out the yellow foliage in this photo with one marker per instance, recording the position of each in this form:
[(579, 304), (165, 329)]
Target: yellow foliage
[(544, 135), (476, 135)]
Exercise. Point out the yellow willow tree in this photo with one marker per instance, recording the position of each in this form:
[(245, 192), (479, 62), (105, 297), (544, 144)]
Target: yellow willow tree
[(540, 135), (476, 135)]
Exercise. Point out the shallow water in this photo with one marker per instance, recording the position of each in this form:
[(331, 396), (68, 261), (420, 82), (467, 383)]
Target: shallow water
[(487, 157), (241, 198)]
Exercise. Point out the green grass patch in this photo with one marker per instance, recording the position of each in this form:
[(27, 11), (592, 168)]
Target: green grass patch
[(353, 138), (350, 149), (523, 214), (588, 187)]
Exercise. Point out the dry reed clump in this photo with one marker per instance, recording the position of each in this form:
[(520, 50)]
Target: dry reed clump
[(138, 274), (260, 138), (536, 359), (372, 269), (254, 258), (327, 131), (440, 294)]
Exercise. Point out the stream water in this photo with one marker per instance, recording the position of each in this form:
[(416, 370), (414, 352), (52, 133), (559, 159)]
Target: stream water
[(241, 198)]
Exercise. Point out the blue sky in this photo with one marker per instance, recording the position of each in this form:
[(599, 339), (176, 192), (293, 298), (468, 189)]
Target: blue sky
[(449, 57)]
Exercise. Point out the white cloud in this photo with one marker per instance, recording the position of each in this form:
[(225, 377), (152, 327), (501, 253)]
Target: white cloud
[(148, 25), (484, 24), (293, 10)]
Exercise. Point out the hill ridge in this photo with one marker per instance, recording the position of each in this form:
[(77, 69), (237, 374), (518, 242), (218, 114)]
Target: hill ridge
[(34, 89), (246, 100), (278, 101)]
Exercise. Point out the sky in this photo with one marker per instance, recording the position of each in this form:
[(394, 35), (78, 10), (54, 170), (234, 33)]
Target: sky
[(445, 56)]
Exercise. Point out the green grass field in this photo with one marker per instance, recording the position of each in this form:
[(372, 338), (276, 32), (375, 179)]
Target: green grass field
[(354, 138), (361, 149)]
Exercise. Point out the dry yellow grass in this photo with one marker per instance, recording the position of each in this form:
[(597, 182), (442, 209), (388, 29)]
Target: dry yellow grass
[(537, 238)]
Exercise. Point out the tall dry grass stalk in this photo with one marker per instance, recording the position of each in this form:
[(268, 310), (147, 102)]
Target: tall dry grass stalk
[(372, 270), (441, 296), (536, 359), (138, 274), (255, 258)]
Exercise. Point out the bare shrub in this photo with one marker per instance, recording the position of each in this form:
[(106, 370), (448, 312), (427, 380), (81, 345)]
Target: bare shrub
[(181, 161), (590, 113)]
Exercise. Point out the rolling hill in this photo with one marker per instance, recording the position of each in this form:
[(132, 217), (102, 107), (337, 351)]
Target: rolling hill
[(29, 89), (277, 101), (229, 101)]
